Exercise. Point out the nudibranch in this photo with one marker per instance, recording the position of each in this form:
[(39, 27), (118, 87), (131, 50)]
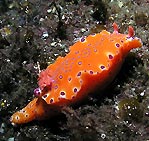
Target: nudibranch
[(92, 63)]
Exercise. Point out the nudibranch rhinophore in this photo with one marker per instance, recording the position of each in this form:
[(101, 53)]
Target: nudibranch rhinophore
[(92, 63)]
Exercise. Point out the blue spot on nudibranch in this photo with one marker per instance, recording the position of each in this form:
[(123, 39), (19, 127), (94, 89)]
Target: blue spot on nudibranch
[(91, 72)]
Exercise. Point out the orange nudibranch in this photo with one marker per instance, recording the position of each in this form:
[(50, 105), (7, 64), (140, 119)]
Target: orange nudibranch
[(92, 63)]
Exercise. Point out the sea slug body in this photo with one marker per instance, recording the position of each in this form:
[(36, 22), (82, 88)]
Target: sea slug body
[(92, 63)]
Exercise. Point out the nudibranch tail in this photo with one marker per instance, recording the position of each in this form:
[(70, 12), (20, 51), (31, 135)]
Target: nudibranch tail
[(37, 109), (25, 115), (131, 41)]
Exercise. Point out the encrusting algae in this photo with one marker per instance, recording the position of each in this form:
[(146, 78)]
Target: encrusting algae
[(92, 63)]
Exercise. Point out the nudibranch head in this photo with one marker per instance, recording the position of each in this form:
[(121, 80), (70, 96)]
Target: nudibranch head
[(128, 41), (45, 80)]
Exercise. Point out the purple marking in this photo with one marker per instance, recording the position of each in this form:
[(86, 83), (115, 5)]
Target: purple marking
[(26, 115), (56, 87), (44, 96), (117, 45), (60, 77), (75, 90), (110, 56), (62, 93), (77, 52), (66, 63), (79, 74), (95, 50), (82, 39), (37, 92), (102, 67), (93, 34), (89, 44), (72, 97), (69, 79), (122, 41), (91, 72), (51, 100), (128, 37), (79, 63)]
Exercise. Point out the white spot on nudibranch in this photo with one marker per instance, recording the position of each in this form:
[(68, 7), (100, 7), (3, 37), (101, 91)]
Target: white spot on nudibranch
[(91, 72), (83, 39), (79, 63), (110, 56), (62, 94), (69, 79), (102, 67), (60, 77), (75, 90), (17, 117), (45, 96), (26, 115), (117, 45), (22, 111), (93, 34), (51, 100), (79, 73)]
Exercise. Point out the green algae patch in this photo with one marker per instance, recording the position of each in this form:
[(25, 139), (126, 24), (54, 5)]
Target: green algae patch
[(130, 109)]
